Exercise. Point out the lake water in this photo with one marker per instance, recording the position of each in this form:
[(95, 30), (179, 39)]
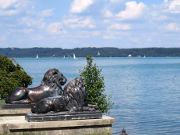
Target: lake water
[(145, 91)]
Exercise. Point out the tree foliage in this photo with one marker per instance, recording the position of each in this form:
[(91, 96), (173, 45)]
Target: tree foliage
[(12, 75), (94, 82)]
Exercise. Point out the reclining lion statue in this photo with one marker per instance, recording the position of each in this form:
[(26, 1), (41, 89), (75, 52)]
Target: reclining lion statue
[(49, 87), (73, 99)]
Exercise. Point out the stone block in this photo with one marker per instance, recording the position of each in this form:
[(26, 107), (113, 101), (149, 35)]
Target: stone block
[(14, 112), (52, 116), (18, 125), (16, 106)]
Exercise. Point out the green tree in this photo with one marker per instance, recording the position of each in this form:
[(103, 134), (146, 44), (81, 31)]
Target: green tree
[(94, 82), (12, 75)]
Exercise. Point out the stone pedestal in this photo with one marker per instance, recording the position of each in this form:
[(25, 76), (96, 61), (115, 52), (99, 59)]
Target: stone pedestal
[(14, 112), (16, 106), (18, 125), (15, 109), (52, 116)]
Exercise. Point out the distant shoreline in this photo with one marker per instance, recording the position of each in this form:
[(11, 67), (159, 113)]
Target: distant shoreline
[(95, 52)]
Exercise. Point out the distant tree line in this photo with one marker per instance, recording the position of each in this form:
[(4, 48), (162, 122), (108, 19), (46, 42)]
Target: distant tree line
[(95, 52)]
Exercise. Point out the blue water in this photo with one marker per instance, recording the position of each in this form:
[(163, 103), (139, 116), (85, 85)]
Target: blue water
[(145, 91)]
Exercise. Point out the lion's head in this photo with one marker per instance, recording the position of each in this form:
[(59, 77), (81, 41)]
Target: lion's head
[(54, 77)]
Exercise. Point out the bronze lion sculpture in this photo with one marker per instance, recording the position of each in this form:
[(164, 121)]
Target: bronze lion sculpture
[(49, 87), (73, 99)]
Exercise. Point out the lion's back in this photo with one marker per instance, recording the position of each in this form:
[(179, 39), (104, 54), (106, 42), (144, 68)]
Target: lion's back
[(75, 93)]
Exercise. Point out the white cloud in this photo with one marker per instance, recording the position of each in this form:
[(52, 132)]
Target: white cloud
[(87, 34), (116, 1), (107, 13), (79, 22), (25, 30), (55, 28), (109, 37), (158, 16), (118, 26), (47, 13), (28, 30), (11, 7), (8, 12), (173, 27), (4, 4), (79, 6), (174, 6), (33, 22), (95, 33), (133, 10), (165, 1), (91, 33)]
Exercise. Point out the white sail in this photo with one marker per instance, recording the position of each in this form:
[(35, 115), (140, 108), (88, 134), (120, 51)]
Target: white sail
[(74, 56), (37, 56), (98, 54), (129, 55)]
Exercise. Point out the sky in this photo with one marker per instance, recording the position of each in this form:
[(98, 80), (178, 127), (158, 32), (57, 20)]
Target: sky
[(89, 23)]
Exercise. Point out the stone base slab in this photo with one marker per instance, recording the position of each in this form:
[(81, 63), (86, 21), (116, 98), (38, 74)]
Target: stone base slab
[(52, 116), (18, 125), (14, 112), (16, 106)]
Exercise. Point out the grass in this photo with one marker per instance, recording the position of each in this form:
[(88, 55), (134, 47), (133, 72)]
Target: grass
[(2, 102)]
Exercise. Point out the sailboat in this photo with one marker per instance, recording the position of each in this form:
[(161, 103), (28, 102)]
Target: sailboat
[(129, 55), (64, 56), (98, 54), (74, 56), (37, 56)]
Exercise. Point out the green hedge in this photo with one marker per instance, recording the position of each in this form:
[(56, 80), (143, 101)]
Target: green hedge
[(12, 75)]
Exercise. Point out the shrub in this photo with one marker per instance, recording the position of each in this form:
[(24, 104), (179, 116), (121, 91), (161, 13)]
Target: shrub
[(94, 82), (12, 75)]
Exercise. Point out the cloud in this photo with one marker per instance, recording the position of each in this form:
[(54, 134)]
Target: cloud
[(55, 28), (109, 37), (116, 1), (107, 13), (91, 33), (27, 30), (79, 6), (174, 6), (8, 13), (4, 4), (118, 26), (79, 22), (47, 13), (156, 15), (173, 27), (33, 22), (133, 10), (87, 34), (11, 7)]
